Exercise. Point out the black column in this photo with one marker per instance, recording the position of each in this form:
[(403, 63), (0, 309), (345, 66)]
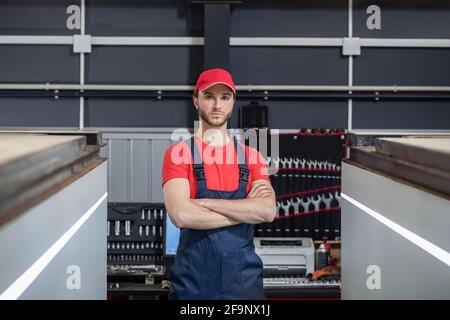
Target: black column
[(217, 36)]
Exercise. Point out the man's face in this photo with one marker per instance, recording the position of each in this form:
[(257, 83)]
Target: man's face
[(215, 104)]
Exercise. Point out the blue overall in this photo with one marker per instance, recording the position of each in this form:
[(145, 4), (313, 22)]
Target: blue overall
[(217, 263)]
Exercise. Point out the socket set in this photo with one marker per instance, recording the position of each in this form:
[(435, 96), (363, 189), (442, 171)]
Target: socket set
[(135, 233)]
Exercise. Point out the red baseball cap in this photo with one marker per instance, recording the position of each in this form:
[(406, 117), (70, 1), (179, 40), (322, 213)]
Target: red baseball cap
[(211, 77)]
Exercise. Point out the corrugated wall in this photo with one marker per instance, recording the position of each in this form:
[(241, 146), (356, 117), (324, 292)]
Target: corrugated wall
[(134, 165)]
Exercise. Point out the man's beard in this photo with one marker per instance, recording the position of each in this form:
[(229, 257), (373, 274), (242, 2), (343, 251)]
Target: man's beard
[(204, 117)]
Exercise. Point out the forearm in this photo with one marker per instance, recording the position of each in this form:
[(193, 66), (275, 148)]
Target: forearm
[(194, 216), (250, 210)]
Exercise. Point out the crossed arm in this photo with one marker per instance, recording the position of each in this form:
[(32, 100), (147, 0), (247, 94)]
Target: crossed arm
[(258, 207)]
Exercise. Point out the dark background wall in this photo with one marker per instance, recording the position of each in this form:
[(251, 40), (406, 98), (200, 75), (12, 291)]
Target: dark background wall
[(180, 65)]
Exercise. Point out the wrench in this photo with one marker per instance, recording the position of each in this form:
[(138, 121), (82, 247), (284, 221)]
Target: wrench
[(302, 163), (283, 162), (296, 162), (289, 162), (296, 204), (327, 200), (286, 207), (276, 162), (316, 203), (320, 164), (278, 208), (337, 197), (305, 204)]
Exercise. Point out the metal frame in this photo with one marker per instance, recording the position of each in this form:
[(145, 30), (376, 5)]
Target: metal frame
[(350, 67), (249, 88), (82, 64), (234, 41)]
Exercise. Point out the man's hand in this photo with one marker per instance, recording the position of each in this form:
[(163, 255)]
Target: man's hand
[(258, 207), (260, 189)]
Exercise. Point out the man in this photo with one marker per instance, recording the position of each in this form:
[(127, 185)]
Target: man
[(216, 201)]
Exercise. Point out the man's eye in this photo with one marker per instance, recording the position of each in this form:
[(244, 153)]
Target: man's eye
[(226, 97), (209, 97)]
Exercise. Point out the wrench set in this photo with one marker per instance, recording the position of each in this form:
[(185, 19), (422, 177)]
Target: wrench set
[(306, 177), (135, 233)]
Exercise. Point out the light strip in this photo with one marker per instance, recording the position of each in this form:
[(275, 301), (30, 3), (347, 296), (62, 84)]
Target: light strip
[(426, 245), (16, 289)]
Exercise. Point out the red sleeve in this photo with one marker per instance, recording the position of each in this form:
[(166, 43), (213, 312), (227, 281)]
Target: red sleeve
[(257, 165), (176, 162)]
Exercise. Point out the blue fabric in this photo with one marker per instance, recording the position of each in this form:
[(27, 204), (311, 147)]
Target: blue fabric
[(219, 264)]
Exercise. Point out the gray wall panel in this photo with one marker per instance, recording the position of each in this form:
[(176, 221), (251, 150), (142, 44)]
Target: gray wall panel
[(135, 162), (119, 163), (287, 65), (144, 65), (31, 17), (282, 114), (141, 172), (406, 66), (289, 18), (411, 114), (404, 19), (159, 147), (302, 114), (46, 112), (138, 113), (39, 63), (162, 18)]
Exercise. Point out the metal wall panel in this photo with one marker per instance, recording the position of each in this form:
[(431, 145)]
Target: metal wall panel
[(413, 114), (144, 65), (402, 66), (148, 113), (306, 18), (135, 163), (141, 171), (162, 18), (288, 65), (404, 19), (39, 112), (31, 17), (39, 63), (158, 149)]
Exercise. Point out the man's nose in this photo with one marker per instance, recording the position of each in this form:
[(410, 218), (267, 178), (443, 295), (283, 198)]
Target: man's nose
[(217, 106)]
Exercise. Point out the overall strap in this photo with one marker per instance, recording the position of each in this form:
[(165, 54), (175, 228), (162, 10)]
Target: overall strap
[(197, 163), (244, 172), (199, 169)]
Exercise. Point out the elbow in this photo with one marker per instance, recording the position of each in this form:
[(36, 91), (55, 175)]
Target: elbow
[(178, 219), (270, 214)]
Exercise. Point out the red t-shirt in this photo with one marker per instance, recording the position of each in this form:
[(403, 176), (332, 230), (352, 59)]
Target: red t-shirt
[(220, 163)]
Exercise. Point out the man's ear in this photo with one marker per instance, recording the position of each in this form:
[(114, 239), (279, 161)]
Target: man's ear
[(195, 100)]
